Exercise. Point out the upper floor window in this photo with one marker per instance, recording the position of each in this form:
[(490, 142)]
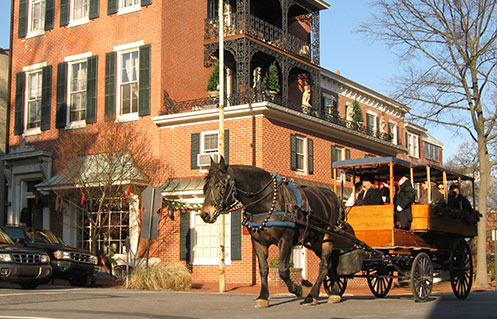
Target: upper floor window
[(412, 144), (128, 83), (77, 91), (393, 131), (339, 153), (372, 123), (301, 154), (80, 10), (126, 6), (432, 152), (33, 99), (37, 16)]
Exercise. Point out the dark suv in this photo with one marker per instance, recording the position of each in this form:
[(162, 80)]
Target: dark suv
[(22, 265), (73, 264)]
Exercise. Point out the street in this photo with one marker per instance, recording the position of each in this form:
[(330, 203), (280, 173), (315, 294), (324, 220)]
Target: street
[(68, 302)]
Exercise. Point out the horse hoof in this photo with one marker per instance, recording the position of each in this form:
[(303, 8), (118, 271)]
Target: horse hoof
[(261, 303), (309, 301), (334, 299)]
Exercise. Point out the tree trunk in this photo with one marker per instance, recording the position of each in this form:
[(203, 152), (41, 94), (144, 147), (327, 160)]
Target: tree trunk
[(481, 246)]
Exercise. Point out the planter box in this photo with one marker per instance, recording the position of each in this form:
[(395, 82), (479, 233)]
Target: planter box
[(275, 280)]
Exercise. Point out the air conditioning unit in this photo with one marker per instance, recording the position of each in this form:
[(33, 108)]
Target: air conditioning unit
[(204, 159)]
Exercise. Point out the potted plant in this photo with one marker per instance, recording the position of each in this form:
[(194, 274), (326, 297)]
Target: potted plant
[(213, 82), (274, 273), (357, 117), (271, 81)]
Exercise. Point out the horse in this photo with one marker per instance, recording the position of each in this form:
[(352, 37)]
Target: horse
[(278, 206)]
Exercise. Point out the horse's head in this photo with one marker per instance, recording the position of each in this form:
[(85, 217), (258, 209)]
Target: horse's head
[(219, 192)]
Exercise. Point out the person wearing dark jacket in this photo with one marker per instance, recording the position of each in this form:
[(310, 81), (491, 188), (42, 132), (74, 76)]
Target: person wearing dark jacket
[(457, 200), (370, 195), (402, 203)]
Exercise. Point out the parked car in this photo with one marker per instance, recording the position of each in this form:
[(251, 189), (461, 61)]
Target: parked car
[(22, 265), (76, 265)]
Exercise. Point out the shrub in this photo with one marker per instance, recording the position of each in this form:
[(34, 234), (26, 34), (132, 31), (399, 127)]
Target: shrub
[(271, 80), (275, 263), (162, 276), (213, 82), (357, 117)]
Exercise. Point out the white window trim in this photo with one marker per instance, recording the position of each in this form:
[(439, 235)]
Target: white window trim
[(35, 130), (209, 261), (202, 140), (81, 123), (394, 133), (375, 124), (125, 10), (74, 23), (339, 173), (32, 34), (76, 57), (409, 135), (123, 49), (303, 171), (34, 67)]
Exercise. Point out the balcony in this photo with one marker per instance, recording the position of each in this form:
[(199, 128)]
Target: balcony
[(173, 107), (260, 30)]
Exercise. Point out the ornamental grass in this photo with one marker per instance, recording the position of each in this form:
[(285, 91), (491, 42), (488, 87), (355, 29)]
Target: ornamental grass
[(162, 276)]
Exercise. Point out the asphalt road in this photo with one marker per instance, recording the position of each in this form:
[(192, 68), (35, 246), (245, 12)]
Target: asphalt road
[(68, 302)]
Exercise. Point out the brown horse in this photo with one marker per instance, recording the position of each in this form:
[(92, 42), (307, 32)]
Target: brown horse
[(276, 212)]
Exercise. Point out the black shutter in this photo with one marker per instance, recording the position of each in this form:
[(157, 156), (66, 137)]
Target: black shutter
[(23, 18), (226, 146), (111, 6), (236, 235), (144, 81), (61, 108), (347, 157), (195, 143), (64, 12), (293, 152), (19, 111), (110, 86), (184, 236), (333, 158), (396, 140), (46, 97), (310, 156), (91, 90), (212, 8), (145, 2), (94, 9), (49, 14)]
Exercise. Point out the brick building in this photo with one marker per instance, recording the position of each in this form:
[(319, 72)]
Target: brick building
[(77, 63)]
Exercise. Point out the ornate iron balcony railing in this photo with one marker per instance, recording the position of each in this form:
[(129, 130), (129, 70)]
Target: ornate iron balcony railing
[(261, 30)]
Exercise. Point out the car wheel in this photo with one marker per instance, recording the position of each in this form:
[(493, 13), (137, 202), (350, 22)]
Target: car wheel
[(28, 285)]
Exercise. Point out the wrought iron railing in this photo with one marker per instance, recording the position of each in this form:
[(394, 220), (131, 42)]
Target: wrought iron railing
[(172, 107), (261, 30)]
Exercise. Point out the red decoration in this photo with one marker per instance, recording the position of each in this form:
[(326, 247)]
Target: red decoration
[(128, 191), (82, 198), (36, 197)]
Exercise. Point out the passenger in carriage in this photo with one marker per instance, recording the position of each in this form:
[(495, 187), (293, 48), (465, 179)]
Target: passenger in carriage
[(385, 192), (436, 197), (457, 200), (403, 200), (357, 189), (370, 194)]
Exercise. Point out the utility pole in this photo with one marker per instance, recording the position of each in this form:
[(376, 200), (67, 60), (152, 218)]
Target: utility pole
[(222, 264)]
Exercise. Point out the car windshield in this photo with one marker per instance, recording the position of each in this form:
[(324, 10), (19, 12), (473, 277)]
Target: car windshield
[(5, 239), (36, 237), (51, 237)]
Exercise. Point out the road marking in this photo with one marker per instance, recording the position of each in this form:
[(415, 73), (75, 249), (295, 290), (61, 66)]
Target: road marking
[(25, 317), (39, 293)]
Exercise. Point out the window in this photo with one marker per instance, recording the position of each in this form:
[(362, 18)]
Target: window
[(33, 100), (432, 152), (77, 91), (210, 142), (393, 131), (206, 241), (412, 144), (36, 16), (337, 154), (114, 227), (301, 154), (80, 11), (128, 83), (126, 6), (372, 124)]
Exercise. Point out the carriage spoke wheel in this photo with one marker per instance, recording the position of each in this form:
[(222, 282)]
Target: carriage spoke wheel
[(421, 277), (461, 269), (334, 287), (380, 281)]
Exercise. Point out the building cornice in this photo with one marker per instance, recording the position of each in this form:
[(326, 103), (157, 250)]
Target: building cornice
[(350, 89), (285, 115)]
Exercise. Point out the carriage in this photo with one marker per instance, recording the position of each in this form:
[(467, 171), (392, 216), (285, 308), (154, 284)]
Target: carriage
[(361, 241), (435, 248)]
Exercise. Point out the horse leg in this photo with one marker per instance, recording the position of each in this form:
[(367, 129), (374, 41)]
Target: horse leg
[(324, 266), (286, 247), (262, 251)]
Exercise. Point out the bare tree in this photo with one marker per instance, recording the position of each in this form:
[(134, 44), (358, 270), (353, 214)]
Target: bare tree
[(450, 52), (100, 167)]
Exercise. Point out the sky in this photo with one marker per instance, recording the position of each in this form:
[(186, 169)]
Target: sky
[(359, 59)]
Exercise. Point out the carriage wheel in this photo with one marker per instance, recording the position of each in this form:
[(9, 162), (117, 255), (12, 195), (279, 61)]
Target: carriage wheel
[(334, 287), (421, 277), (461, 269), (380, 281)]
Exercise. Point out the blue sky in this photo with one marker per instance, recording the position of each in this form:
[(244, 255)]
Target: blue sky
[(359, 59)]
